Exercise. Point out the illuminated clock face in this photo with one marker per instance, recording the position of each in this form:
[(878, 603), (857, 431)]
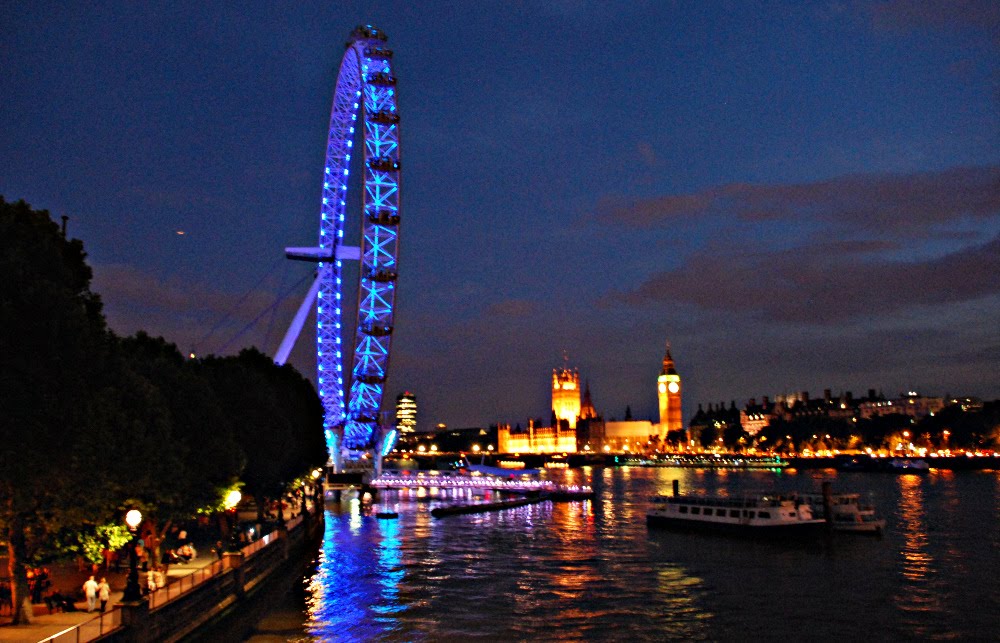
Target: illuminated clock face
[(663, 387), (673, 387)]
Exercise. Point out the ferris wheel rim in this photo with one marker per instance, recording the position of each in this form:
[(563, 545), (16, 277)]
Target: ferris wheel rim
[(366, 89)]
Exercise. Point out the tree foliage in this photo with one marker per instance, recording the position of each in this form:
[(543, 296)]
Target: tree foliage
[(278, 419), (54, 356), (92, 424)]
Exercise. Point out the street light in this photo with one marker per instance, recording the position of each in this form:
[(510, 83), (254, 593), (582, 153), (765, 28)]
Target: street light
[(132, 590), (232, 499)]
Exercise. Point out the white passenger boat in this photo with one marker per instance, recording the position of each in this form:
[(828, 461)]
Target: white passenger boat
[(758, 514), (847, 512)]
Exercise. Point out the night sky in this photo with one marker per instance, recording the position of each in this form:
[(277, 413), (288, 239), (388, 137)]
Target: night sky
[(798, 196)]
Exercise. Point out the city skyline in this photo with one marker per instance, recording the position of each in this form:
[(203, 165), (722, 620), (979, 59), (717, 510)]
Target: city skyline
[(798, 198)]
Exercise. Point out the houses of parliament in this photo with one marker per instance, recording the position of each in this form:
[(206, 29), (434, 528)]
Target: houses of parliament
[(576, 426)]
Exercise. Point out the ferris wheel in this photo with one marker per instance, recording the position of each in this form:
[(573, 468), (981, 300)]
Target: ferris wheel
[(365, 97)]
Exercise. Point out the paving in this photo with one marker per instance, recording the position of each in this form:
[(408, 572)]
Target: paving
[(68, 578)]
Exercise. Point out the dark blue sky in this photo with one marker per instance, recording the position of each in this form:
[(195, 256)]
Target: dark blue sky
[(796, 195)]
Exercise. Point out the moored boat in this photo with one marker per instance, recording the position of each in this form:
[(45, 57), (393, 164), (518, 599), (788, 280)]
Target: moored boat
[(763, 514), (847, 512), (909, 465), (716, 461)]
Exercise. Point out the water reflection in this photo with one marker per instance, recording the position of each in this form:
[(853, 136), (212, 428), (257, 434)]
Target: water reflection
[(681, 596), (354, 593), (918, 595), (593, 571)]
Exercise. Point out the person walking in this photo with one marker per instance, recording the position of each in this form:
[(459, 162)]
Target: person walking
[(104, 593), (90, 590)]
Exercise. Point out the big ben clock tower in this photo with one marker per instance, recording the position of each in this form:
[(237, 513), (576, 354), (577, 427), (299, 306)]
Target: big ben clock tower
[(668, 390)]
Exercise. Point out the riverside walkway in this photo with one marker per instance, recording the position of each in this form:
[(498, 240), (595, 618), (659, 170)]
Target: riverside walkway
[(65, 626), (79, 626)]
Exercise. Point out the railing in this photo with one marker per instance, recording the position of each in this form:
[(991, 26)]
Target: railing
[(257, 545), (184, 584), (90, 629), (294, 522)]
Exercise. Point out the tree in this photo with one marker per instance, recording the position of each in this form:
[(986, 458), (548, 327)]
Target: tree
[(53, 370), (74, 397), (71, 401), (279, 420), (734, 437), (197, 460)]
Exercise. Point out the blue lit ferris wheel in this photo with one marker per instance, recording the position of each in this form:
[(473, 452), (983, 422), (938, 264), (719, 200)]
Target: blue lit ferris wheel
[(365, 97)]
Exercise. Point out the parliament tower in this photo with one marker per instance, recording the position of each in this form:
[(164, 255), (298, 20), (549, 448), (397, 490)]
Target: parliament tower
[(566, 395), (668, 389)]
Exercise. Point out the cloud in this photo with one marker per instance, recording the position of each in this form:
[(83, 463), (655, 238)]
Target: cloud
[(914, 14), (910, 204), (512, 308), (821, 283)]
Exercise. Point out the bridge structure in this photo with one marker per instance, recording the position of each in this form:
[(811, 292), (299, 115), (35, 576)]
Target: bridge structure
[(365, 112)]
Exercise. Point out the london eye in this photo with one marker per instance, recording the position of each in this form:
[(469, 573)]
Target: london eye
[(365, 97)]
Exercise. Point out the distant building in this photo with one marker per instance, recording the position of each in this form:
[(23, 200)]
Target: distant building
[(566, 395), (445, 440), (754, 417), (912, 404), (628, 435), (718, 418), (668, 391), (536, 439), (406, 412), (576, 426), (560, 436)]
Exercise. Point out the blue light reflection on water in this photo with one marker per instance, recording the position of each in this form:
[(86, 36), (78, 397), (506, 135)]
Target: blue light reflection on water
[(354, 592)]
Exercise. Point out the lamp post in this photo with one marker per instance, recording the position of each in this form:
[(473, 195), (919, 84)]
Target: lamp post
[(132, 591), (232, 499)]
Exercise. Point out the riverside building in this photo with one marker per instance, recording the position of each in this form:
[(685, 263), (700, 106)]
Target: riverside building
[(576, 426), (406, 412)]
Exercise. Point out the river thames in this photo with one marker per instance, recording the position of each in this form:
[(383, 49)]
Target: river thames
[(594, 571)]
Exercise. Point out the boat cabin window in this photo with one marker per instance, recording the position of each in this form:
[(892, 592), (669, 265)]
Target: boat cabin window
[(734, 513), (720, 512), (765, 514), (695, 510), (682, 509)]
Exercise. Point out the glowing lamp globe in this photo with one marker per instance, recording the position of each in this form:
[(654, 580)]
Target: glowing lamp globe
[(233, 498), (133, 518)]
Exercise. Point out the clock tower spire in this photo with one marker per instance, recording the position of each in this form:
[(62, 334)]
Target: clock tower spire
[(668, 390)]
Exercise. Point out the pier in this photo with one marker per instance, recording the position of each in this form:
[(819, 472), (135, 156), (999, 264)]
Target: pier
[(447, 480), (532, 490)]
